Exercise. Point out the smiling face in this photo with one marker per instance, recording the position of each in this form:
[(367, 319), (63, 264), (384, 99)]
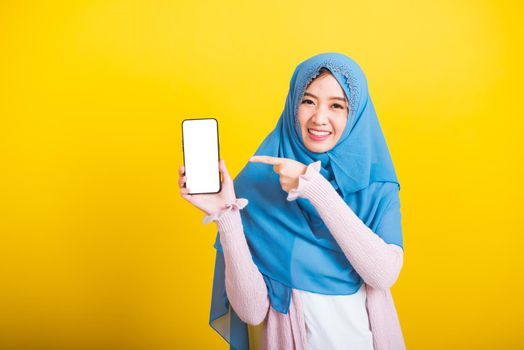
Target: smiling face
[(322, 113)]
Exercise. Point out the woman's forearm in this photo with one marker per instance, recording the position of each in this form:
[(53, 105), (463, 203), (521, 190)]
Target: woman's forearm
[(245, 286), (376, 261)]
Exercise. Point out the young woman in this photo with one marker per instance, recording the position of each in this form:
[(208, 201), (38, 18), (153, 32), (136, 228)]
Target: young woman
[(313, 256)]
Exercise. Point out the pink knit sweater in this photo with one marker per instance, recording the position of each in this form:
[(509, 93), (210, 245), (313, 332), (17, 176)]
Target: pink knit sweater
[(377, 262)]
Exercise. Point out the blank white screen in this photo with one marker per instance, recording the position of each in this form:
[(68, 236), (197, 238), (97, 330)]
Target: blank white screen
[(200, 137)]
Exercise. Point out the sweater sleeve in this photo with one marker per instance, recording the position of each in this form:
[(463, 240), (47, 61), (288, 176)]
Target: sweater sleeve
[(245, 286), (377, 262)]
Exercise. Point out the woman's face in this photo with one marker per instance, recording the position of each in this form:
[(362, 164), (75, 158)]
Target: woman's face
[(324, 107)]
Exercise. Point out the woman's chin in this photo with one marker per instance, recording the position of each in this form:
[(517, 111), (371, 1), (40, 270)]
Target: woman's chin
[(318, 148)]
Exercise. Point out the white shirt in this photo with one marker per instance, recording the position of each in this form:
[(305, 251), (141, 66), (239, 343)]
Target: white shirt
[(337, 322)]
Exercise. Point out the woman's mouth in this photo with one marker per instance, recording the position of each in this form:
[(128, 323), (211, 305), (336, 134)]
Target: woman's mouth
[(318, 135)]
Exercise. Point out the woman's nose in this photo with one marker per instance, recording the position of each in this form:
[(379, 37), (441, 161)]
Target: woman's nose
[(320, 117)]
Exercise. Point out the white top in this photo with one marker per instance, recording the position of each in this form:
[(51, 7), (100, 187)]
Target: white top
[(337, 322)]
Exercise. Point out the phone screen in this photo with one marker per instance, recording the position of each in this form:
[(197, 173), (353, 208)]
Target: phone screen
[(201, 155)]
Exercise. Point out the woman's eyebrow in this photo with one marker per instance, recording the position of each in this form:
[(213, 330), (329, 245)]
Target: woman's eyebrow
[(331, 98)]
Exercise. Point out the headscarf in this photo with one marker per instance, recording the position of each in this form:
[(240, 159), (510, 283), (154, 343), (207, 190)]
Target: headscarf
[(289, 242)]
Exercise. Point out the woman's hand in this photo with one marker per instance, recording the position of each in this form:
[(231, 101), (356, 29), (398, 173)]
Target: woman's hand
[(288, 169), (209, 203)]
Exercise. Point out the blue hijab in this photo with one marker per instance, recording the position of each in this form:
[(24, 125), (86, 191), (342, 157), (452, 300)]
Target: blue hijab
[(288, 240)]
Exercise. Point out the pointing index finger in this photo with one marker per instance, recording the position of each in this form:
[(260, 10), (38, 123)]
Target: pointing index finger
[(267, 160)]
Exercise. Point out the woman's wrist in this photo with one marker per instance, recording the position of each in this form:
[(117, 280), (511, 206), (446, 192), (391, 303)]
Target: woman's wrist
[(310, 177), (233, 206)]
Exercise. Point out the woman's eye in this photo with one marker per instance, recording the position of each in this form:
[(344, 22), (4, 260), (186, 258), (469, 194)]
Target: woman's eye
[(336, 105), (307, 101)]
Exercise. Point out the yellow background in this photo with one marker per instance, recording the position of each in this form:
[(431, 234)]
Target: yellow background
[(99, 251)]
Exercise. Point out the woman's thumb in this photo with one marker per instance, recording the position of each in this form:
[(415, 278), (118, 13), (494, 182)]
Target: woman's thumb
[(223, 169)]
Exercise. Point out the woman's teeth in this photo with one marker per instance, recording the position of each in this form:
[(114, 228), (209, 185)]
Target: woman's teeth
[(319, 133)]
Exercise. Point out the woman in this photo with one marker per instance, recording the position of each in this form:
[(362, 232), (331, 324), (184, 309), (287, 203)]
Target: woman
[(314, 254)]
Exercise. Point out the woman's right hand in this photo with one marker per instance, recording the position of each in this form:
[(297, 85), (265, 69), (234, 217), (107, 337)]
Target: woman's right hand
[(209, 203)]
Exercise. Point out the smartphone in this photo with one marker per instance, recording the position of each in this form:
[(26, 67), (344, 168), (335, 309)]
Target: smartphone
[(201, 150)]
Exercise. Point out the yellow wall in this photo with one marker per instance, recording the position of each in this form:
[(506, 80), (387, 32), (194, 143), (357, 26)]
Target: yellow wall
[(99, 251)]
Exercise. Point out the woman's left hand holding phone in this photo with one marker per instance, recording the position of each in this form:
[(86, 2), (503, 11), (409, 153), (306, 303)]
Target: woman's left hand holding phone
[(209, 203)]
